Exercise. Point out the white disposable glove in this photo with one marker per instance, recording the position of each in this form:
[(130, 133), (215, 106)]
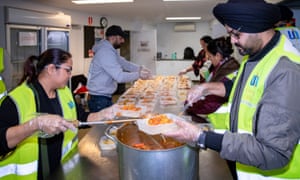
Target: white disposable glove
[(107, 113), (145, 73), (51, 124), (187, 132), (196, 93), (182, 72)]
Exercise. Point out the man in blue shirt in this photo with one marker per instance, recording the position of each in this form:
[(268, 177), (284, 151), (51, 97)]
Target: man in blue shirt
[(108, 68)]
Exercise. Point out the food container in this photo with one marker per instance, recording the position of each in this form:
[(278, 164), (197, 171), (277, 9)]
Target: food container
[(165, 101), (161, 158), (126, 101), (130, 110), (158, 127), (106, 144)]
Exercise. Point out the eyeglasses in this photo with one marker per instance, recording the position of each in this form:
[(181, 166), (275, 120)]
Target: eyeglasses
[(68, 69), (235, 33)]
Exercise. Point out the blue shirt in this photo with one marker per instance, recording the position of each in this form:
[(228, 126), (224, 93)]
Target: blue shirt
[(108, 68)]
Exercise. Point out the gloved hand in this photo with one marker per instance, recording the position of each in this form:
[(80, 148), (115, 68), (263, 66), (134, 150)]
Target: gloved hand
[(145, 73), (51, 124), (182, 72), (196, 93), (107, 113), (186, 132), (104, 114)]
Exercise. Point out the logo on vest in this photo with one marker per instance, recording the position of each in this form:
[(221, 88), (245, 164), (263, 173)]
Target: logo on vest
[(71, 104), (254, 81), (293, 34)]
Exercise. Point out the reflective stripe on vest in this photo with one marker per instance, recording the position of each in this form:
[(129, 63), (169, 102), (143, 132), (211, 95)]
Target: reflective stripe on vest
[(251, 95), (71, 163), (1, 59), (20, 169), (293, 34), (3, 91), (69, 146), (222, 109), (244, 176), (29, 146), (219, 119)]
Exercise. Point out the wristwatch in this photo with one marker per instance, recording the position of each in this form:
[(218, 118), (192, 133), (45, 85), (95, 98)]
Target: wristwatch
[(201, 140)]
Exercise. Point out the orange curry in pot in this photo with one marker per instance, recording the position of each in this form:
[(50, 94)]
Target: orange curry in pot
[(130, 135)]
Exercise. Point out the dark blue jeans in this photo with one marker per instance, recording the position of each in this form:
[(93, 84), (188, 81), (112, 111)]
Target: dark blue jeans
[(97, 103)]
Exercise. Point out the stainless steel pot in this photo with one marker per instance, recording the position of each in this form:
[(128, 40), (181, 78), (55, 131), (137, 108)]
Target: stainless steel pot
[(158, 163)]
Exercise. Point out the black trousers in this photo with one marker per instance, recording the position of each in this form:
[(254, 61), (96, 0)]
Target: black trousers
[(232, 168)]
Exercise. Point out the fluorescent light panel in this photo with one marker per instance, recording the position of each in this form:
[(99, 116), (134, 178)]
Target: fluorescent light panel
[(100, 1), (181, 0), (182, 18)]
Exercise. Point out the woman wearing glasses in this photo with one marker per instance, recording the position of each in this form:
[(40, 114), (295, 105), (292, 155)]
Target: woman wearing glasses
[(36, 131)]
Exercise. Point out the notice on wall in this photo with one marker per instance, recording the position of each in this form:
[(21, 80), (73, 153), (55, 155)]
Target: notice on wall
[(27, 38), (144, 46)]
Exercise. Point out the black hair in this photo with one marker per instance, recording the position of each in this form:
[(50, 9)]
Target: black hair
[(286, 13), (220, 45), (188, 53), (206, 39), (34, 65)]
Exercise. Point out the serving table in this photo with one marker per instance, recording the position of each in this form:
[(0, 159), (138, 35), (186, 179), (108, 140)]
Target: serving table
[(89, 162)]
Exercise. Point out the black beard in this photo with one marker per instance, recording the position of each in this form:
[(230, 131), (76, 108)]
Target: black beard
[(243, 51), (117, 46)]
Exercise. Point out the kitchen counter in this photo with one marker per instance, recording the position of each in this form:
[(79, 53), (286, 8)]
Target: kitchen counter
[(93, 164), (175, 60)]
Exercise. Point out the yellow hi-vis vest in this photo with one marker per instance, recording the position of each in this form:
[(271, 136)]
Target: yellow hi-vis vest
[(3, 91), (22, 163), (251, 95), (1, 59), (219, 118), (293, 34)]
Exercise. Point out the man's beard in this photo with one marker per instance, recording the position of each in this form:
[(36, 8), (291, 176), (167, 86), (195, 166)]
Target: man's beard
[(117, 46), (243, 51)]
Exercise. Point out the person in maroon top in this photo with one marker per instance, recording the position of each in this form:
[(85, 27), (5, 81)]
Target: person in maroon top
[(200, 59), (219, 51)]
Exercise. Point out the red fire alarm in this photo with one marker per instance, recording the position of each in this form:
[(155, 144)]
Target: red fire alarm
[(90, 20)]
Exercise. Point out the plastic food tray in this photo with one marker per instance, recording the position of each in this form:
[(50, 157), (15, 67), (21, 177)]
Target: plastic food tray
[(129, 113), (106, 143), (144, 126)]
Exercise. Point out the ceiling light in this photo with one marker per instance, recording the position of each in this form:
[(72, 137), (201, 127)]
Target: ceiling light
[(182, 0), (100, 1), (182, 18)]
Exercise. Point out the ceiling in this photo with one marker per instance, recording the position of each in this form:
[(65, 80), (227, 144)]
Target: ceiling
[(153, 11)]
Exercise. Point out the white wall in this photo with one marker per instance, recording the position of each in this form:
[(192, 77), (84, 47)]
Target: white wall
[(169, 41), (297, 16), (80, 64)]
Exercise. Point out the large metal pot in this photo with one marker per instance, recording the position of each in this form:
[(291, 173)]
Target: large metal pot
[(162, 159)]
